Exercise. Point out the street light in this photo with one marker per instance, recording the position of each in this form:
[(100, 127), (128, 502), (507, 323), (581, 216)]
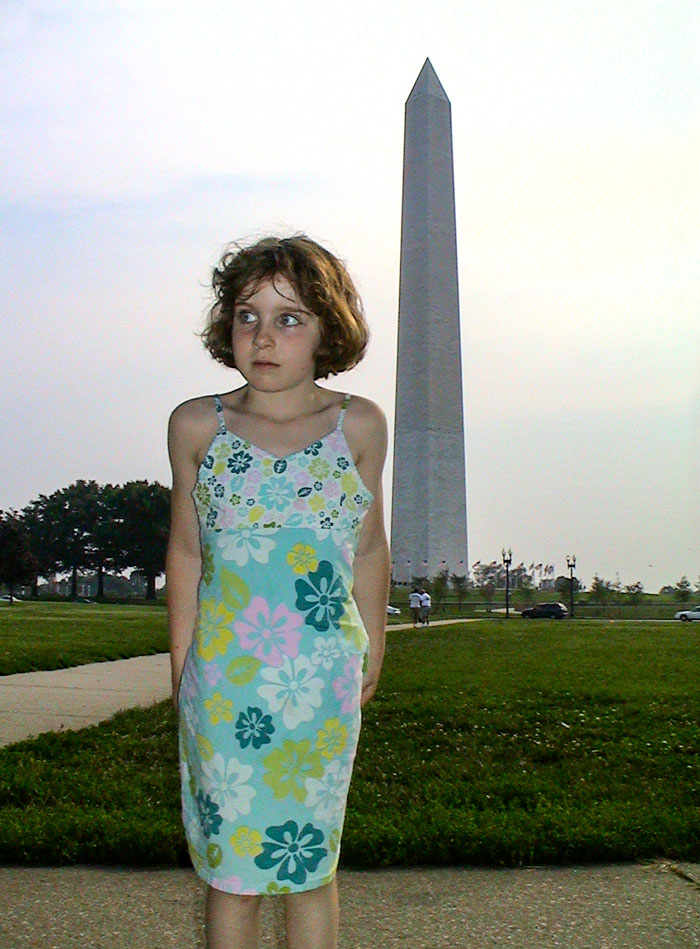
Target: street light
[(571, 563), (507, 561)]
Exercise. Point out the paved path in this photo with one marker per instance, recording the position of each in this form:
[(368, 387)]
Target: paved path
[(36, 702), (600, 907), (630, 906)]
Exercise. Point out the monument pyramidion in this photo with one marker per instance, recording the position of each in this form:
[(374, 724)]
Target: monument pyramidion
[(429, 505)]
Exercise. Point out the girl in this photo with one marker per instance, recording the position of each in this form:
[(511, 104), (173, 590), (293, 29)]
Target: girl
[(278, 573)]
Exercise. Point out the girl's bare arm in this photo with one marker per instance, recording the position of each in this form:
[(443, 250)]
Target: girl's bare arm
[(367, 435), (184, 558)]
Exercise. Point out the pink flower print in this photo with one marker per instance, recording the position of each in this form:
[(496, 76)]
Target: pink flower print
[(228, 518), (212, 674), (347, 686), (232, 884), (269, 636), (253, 476), (331, 489)]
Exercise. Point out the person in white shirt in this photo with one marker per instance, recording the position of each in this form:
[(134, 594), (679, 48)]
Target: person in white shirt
[(414, 604), (425, 608)]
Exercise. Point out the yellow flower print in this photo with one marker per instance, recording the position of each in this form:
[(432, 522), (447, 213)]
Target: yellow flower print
[(319, 468), (316, 503), (246, 842), (349, 484), (302, 558), (354, 632), (213, 631), (276, 889), (256, 513), (221, 453), (289, 767), (219, 708), (332, 738)]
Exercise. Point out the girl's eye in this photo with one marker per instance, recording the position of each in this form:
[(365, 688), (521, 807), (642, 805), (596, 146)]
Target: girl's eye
[(245, 316), (289, 319)]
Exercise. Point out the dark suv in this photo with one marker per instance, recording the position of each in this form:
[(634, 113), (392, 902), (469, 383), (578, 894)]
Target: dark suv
[(546, 610)]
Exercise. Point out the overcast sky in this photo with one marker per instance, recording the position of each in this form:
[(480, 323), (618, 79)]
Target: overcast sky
[(140, 137)]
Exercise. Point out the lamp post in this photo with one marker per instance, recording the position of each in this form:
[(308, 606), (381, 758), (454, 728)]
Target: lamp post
[(507, 561), (571, 564)]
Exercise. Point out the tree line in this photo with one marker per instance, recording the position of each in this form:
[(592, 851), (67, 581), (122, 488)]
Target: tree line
[(87, 527), (487, 579)]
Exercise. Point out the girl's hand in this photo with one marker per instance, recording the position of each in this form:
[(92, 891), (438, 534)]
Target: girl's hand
[(370, 680)]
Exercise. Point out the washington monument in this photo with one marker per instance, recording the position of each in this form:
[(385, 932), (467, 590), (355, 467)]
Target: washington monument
[(429, 505)]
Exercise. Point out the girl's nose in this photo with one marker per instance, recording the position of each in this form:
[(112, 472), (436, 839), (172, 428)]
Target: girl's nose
[(263, 337)]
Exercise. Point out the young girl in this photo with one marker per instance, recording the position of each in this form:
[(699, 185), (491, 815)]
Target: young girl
[(278, 571)]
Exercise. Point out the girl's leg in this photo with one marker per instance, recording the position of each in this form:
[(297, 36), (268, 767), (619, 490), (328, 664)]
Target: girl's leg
[(312, 918), (233, 922)]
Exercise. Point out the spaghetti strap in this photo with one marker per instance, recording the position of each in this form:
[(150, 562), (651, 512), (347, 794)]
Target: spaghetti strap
[(220, 414), (343, 408)]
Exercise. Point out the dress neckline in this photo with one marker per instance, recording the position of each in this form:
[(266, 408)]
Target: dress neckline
[(338, 427)]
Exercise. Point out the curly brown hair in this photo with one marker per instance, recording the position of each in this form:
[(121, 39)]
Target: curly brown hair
[(321, 282)]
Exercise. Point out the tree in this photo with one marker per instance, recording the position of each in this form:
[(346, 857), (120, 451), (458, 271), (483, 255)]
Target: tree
[(16, 562), (563, 584), (527, 590), (70, 530), (485, 576), (682, 590), (459, 585), (143, 510), (634, 592), (600, 592), (439, 584)]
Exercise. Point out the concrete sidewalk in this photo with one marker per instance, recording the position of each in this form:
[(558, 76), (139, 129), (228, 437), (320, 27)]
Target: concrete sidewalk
[(631, 906), (67, 699), (600, 907)]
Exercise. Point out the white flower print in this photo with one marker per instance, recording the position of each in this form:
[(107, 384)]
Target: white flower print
[(337, 532), (294, 690), (242, 543), (225, 783), (327, 794), (326, 651)]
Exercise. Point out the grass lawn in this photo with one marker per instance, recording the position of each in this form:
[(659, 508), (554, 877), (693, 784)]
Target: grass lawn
[(39, 635), (492, 743)]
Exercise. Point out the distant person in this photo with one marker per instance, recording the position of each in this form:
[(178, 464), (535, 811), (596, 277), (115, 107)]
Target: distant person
[(414, 606), (425, 603), (278, 577)]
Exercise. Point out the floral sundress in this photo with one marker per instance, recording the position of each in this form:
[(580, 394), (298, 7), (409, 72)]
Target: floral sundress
[(269, 714)]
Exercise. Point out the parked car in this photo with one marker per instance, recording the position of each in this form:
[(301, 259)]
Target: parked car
[(392, 611), (546, 611), (687, 615), (5, 598)]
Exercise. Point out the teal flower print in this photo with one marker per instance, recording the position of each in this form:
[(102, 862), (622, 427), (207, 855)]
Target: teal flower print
[(313, 449), (276, 493), (253, 726), (208, 812), (323, 596), (239, 462), (298, 852)]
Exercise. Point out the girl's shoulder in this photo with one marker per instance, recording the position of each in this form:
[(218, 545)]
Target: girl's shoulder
[(192, 426), (365, 426), (194, 412)]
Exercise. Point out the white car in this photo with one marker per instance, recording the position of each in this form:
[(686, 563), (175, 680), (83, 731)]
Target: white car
[(687, 615), (392, 611)]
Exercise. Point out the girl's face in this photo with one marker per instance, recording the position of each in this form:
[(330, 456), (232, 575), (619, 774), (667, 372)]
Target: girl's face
[(274, 337)]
